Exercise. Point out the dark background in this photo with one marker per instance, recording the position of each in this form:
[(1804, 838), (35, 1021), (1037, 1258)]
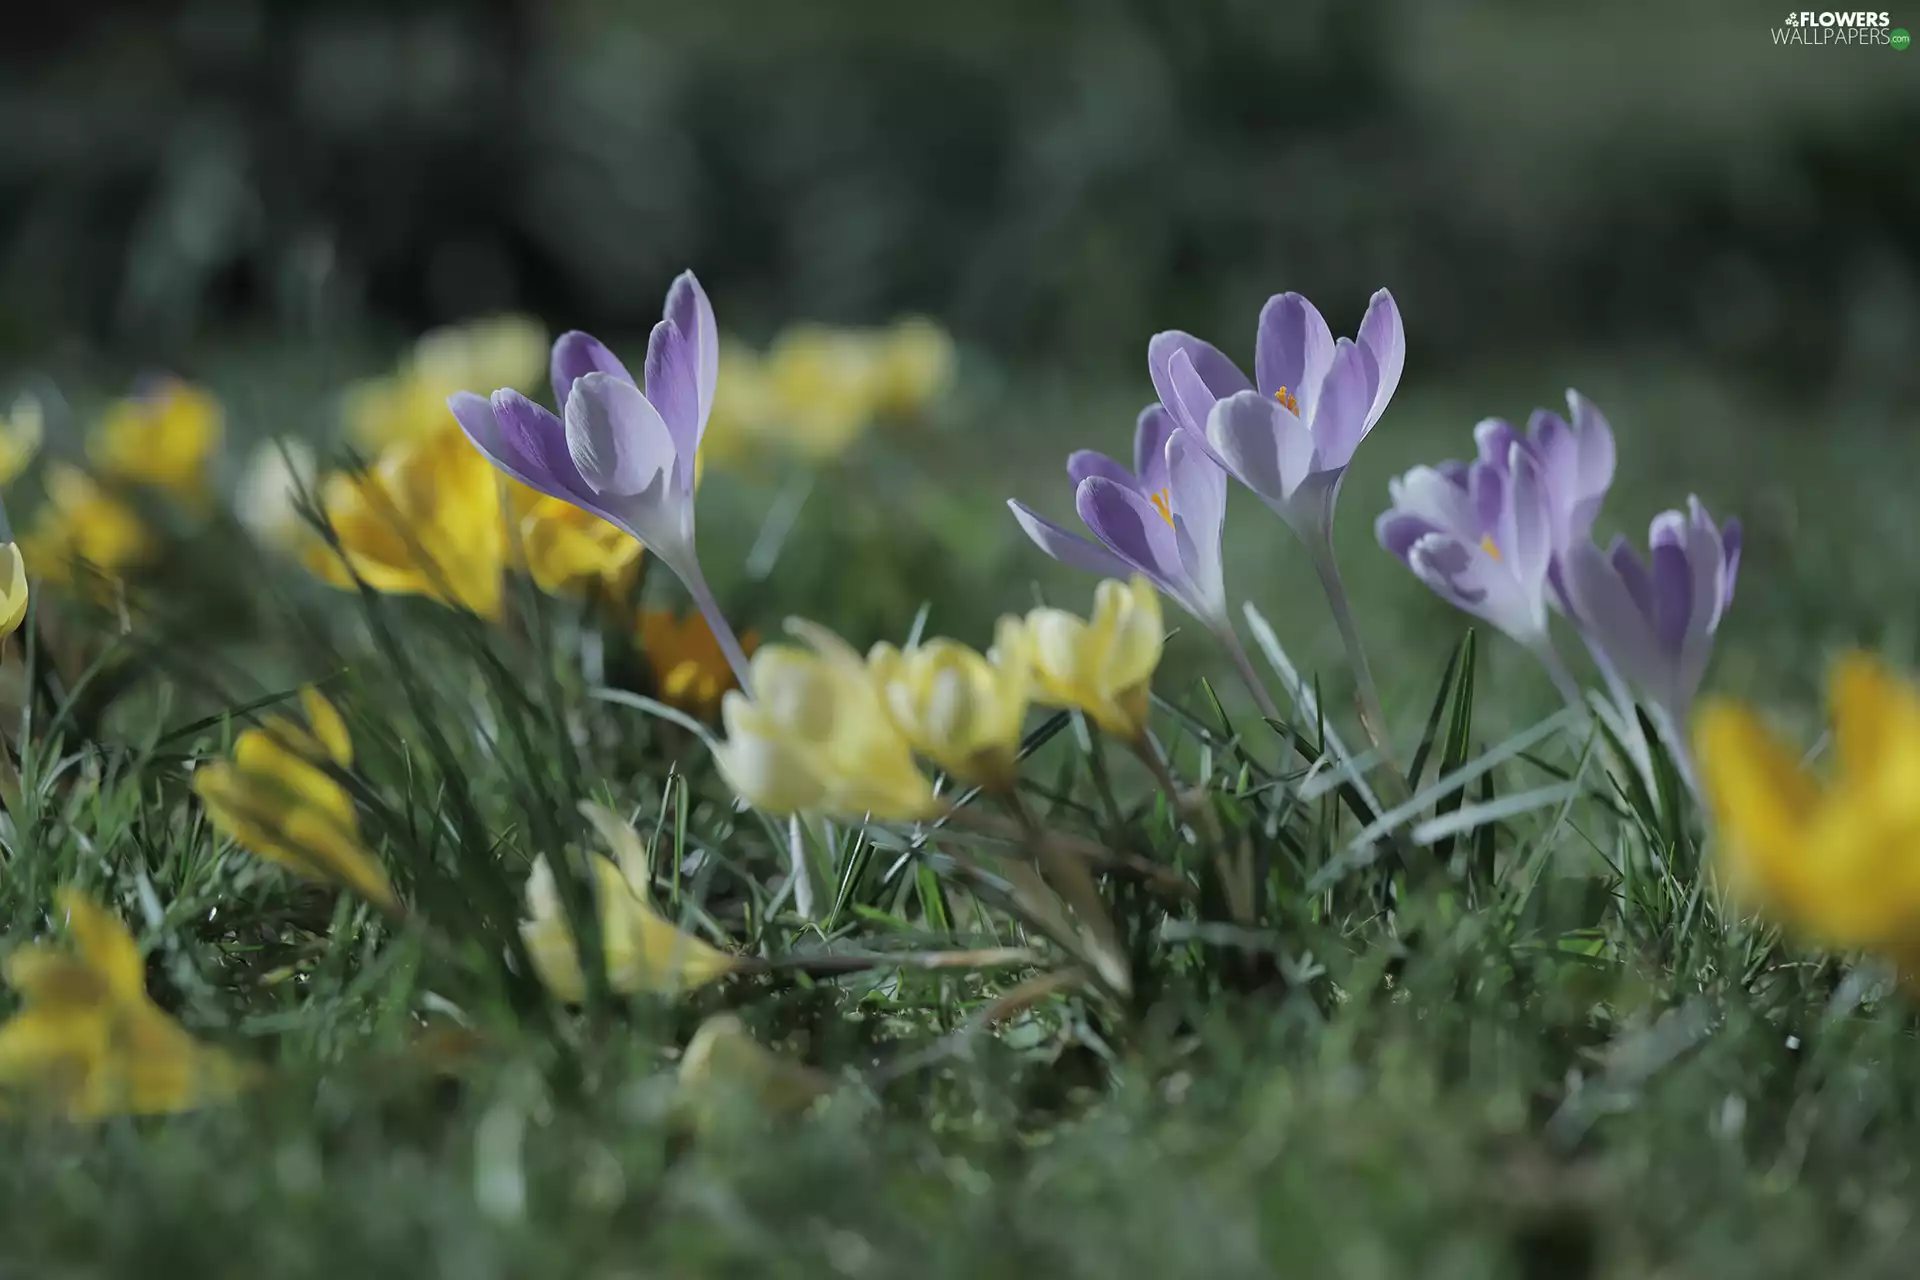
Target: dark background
[(1054, 180)]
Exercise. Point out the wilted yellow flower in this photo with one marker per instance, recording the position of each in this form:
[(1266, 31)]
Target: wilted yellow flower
[(724, 1066), (411, 403), (79, 522), (565, 547), (21, 434), (962, 710), (643, 950), (277, 801), (13, 589), (89, 1042), (1837, 859), (164, 438), (817, 735), (1104, 665), (424, 520), (265, 501), (689, 670)]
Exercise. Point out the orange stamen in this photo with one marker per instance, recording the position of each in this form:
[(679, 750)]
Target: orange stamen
[(1286, 398), (1163, 505)]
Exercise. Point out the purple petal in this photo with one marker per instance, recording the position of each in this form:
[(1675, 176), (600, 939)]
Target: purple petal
[(1596, 445), (1292, 349), (1398, 531), (1633, 576), (1382, 334), (1528, 519), (1445, 565), (692, 314), (1067, 547), (1672, 591), (1438, 499), (673, 388), (1732, 538), (1084, 463), (1217, 375), (1150, 435), (1266, 447), (576, 354), (1610, 617), (1339, 417), (1494, 438), (1133, 529), (1197, 488), (522, 439), (1487, 485), (617, 439)]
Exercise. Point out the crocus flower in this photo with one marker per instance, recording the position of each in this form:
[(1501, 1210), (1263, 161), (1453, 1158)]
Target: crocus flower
[(689, 669), (1654, 625), (22, 431), (1290, 433), (644, 952), (1837, 859), (1488, 536), (423, 520), (13, 589), (816, 735), (1101, 665), (163, 437), (959, 708), (277, 800), (89, 1041), (623, 454), (81, 523), (723, 1068), (1161, 520), (566, 548)]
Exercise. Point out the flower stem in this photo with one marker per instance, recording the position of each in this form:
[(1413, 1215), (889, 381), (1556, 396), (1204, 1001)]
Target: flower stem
[(1373, 720), (1230, 640), (1562, 679), (718, 624)]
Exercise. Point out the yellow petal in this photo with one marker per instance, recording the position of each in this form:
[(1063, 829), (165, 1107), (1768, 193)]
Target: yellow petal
[(13, 589), (105, 945), (724, 1065), (328, 727), (1762, 803)]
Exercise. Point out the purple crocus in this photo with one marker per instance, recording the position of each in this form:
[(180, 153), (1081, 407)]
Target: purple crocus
[(1653, 622), (1575, 461), (622, 453), (1290, 433), (1161, 519)]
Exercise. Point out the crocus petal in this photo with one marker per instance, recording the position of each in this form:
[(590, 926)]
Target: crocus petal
[(1339, 417), (1067, 547), (1633, 575), (1085, 463), (1440, 500), (1260, 440), (673, 389), (576, 354), (1609, 613), (1529, 527), (1150, 435), (692, 314), (1466, 577), (521, 438), (1198, 489), (1292, 348), (1382, 334), (1399, 531), (1731, 540), (616, 437), (1596, 443), (1136, 531), (1217, 375), (1494, 438), (1672, 582)]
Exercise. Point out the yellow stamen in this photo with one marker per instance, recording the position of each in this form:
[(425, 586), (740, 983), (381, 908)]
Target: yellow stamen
[(1286, 398), (1486, 545), (1163, 505)]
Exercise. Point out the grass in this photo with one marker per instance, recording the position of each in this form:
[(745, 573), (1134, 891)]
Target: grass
[(1537, 1048)]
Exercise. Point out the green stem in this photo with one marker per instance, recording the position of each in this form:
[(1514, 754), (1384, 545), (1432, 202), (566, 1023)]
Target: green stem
[(1373, 720)]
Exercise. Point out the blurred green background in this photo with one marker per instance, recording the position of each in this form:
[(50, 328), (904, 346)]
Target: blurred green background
[(1709, 233)]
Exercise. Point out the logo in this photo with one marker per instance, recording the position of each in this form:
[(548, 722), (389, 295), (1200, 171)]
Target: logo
[(1831, 27)]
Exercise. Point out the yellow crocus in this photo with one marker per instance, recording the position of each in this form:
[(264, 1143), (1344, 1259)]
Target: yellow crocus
[(817, 735), (89, 1042), (277, 800), (824, 384), (1103, 665), (164, 438), (724, 1067), (644, 952), (915, 367), (410, 404), (82, 522), (1836, 859), (21, 433), (424, 520), (959, 708), (564, 547), (689, 670), (743, 407), (13, 589)]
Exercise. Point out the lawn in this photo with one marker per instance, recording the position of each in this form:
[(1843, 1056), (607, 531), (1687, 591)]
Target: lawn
[(1545, 1046)]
